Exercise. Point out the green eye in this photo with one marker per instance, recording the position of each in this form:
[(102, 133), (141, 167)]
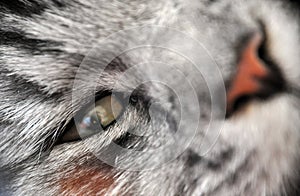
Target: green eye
[(106, 110), (96, 119)]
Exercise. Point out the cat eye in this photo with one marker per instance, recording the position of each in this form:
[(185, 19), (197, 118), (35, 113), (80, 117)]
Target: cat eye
[(95, 119)]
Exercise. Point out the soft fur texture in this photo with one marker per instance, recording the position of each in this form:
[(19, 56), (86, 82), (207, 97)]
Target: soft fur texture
[(42, 45)]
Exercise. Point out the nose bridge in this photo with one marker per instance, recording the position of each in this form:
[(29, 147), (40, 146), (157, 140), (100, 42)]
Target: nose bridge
[(187, 114)]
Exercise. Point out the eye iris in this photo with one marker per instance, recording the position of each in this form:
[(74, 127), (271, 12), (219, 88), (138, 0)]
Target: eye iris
[(97, 118), (104, 113), (90, 122)]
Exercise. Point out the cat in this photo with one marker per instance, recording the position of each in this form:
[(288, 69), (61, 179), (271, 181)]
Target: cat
[(174, 97)]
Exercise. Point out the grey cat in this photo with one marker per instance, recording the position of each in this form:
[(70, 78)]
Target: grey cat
[(174, 97)]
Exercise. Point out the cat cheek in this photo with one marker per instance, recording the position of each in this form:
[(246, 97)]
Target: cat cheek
[(87, 181)]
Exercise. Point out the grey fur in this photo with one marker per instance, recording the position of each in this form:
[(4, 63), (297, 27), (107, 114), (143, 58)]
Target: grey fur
[(256, 153)]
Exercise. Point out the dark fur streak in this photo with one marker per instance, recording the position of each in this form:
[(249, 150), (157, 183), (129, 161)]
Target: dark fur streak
[(220, 161), (130, 141), (192, 158), (34, 46), (116, 64), (26, 88), (26, 8), (234, 177)]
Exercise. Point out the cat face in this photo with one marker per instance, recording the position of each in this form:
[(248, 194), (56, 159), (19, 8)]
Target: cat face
[(149, 97)]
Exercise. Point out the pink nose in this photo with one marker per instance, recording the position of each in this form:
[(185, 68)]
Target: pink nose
[(251, 69)]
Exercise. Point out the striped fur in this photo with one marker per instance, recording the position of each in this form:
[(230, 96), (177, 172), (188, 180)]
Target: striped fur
[(42, 46)]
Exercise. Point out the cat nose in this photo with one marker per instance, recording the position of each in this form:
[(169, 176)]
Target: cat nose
[(254, 77)]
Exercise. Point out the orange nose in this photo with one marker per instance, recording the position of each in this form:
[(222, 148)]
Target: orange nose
[(249, 72)]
